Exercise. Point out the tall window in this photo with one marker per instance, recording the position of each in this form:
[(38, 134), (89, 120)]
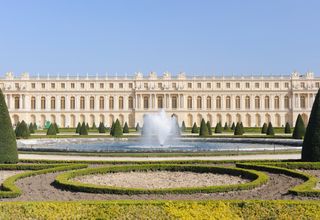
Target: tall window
[(199, 102), (160, 102), (257, 102), (53, 103), (218, 102), (228, 102), (111, 103), (91, 102), (174, 102), (120, 102), (267, 102), (146, 102), (82, 103), (130, 102), (189, 103), (16, 102), (33, 102), (286, 102), (101, 102), (208, 102), (276, 102), (247, 102), (62, 102), (238, 104), (43, 102), (72, 103), (302, 101)]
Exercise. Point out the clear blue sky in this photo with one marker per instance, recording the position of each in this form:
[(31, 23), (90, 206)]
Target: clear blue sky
[(197, 37)]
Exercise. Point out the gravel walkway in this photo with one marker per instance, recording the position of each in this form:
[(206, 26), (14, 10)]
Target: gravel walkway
[(160, 179), (4, 174)]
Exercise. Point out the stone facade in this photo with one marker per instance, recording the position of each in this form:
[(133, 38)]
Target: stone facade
[(68, 100)]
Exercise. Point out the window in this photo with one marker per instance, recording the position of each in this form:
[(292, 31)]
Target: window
[(82, 103), (82, 85), (145, 85), (120, 102), (218, 102), (247, 102), (209, 85), (286, 85), (33, 85), (33, 102), (53, 85), (130, 102), (286, 102), (43, 102), (302, 85), (62, 103), (72, 85), (130, 85), (111, 103), (276, 102), (198, 85), (257, 102), (256, 85), (101, 85), (91, 102), (160, 102), (16, 85), (228, 102), (199, 102), (101, 102), (111, 85), (43, 85), (72, 103), (189, 102), (302, 101), (63, 85), (174, 85), (121, 85), (16, 102), (276, 85), (228, 85), (53, 103), (174, 103), (208, 102), (247, 85), (238, 85), (145, 102), (317, 85), (238, 103), (218, 85), (189, 85), (266, 85), (267, 102), (91, 85)]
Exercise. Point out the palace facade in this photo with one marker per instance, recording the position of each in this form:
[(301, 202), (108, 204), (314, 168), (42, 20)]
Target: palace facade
[(68, 100)]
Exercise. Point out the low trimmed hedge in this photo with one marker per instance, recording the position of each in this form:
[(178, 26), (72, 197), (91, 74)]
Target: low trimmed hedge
[(10, 190), (64, 180)]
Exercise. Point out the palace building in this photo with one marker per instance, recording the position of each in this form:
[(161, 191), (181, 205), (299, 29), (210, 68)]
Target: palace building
[(68, 100)]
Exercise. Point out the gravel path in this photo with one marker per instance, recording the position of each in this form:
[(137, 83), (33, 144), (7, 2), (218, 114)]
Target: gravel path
[(314, 173), (160, 179), (4, 174)]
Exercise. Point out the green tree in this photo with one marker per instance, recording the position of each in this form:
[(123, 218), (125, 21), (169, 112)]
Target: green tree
[(112, 129), (52, 129), (35, 127), (22, 131), (83, 129), (264, 128), (125, 128), (300, 129), (233, 126), (78, 128), (8, 144), (102, 128), (94, 127), (203, 129), (56, 128), (311, 142), (226, 127), (287, 129), (237, 130), (31, 128), (87, 127), (183, 127), (16, 131), (218, 128), (270, 130), (209, 127), (117, 129), (194, 129)]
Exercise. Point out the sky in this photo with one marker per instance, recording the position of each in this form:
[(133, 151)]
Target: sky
[(198, 37)]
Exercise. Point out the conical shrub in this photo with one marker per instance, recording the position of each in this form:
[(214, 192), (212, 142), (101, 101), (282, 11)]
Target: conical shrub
[(287, 128), (242, 128), (311, 142), (226, 127), (31, 128), (194, 128), (237, 130), (209, 127), (16, 131), (233, 126), (101, 128), (112, 129), (203, 129), (83, 129), (125, 128), (218, 128), (94, 127), (52, 130), (300, 129), (270, 130), (78, 128), (264, 128), (56, 127), (117, 129), (87, 126), (35, 126), (23, 130), (8, 144), (183, 127)]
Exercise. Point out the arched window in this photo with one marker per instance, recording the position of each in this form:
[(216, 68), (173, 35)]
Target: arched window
[(53, 103), (33, 102), (16, 102), (247, 102), (174, 102), (43, 102), (120, 102), (91, 102), (101, 102), (208, 102), (82, 103), (257, 102), (160, 102), (62, 102), (267, 102), (218, 102), (286, 102), (72, 102), (238, 104), (276, 102), (146, 102), (189, 102), (111, 103), (130, 102), (228, 102), (199, 102)]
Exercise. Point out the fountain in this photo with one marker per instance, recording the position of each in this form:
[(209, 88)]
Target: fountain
[(159, 127)]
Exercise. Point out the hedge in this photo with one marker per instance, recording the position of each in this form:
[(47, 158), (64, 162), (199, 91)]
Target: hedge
[(64, 180)]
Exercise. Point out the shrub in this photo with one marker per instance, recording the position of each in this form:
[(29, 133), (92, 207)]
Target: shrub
[(35, 127), (287, 128), (87, 127), (83, 129), (203, 129), (233, 126), (112, 129), (299, 130), (78, 128), (56, 127), (94, 127), (311, 142), (117, 130), (226, 127), (194, 128), (23, 130), (16, 131), (31, 128), (52, 130), (102, 128), (218, 128), (209, 128), (237, 130), (8, 144), (264, 128), (138, 127), (242, 128), (125, 128), (270, 130), (183, 127)]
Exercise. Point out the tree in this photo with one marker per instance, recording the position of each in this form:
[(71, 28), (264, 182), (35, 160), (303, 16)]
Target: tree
[(102, 128), (264, 128), (138, 127), (117, 130), (218, 128), (16, 131), (237, 130), (242, 128), (311, 142), (87, 126), (78, 128), (94, 127), (52, 130), (287, 129), (203, 129), (183, 127), (125, 128), (209, 127), (112, 128), (83, 129), (56, 128), (299, 130), (31, 128), (35, 127), (22, 131), (233, 126), (8, 143), (270, 130), (194, 129), (226, 127)]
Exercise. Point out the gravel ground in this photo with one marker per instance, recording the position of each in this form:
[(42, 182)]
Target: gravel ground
[(160, 179), (4, 174), (315, 173)]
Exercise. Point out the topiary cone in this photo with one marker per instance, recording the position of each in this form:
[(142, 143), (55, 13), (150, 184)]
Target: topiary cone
[(300, 129), (8, 144), (117, 130), (203, 129)]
